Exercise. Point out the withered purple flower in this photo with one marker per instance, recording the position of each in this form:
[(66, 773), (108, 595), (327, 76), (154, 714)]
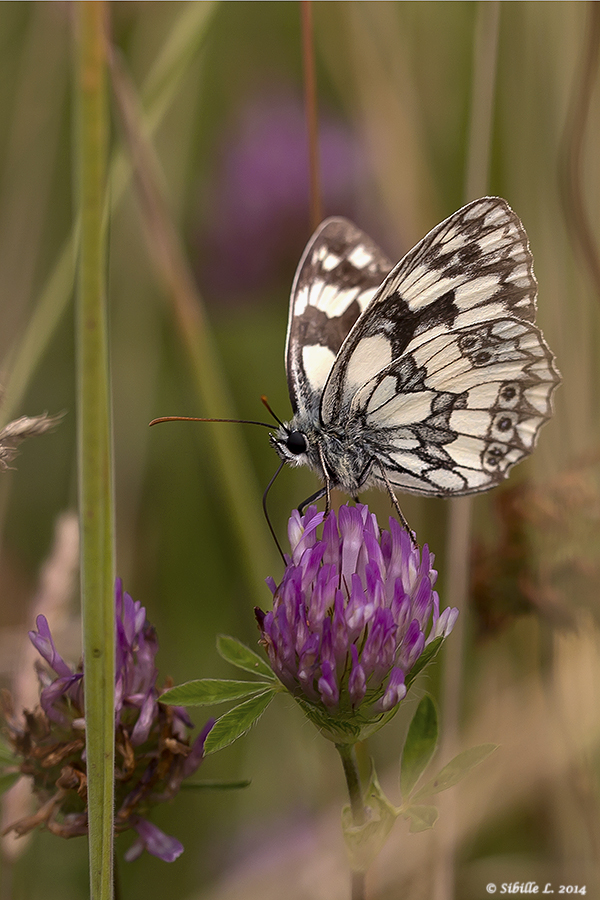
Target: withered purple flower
[(353, 615), (153, 754)]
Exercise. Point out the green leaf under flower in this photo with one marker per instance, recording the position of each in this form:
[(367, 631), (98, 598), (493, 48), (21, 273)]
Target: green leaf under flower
[(421, 817), (206, 691), (456, 770), (236, 653), (420, 745), (237, 721)]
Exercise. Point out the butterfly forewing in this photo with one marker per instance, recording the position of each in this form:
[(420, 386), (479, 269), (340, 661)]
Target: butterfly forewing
[(337, 278), (474, 266)]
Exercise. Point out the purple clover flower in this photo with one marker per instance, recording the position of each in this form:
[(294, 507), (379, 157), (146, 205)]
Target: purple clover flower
[(153, 752), (353, 615)]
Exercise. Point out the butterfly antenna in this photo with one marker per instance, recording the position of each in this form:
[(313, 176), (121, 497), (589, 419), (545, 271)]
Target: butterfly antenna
[(264, 503), (265, 403), (198, 419)]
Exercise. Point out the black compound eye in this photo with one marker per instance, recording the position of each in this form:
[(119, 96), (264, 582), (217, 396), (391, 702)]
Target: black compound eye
[(296, 443)]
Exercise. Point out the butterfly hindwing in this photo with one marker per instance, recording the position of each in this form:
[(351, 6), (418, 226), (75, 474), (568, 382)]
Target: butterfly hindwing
[(337, 277), (455, 414)]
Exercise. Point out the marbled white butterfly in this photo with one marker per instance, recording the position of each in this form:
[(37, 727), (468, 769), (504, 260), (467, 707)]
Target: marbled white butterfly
[(429, 377)]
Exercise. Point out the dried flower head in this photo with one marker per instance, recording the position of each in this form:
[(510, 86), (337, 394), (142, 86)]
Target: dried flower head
[(152, 750), (353, 620)]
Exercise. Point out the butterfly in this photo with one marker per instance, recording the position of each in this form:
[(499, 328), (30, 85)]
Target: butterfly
[(429, 376)]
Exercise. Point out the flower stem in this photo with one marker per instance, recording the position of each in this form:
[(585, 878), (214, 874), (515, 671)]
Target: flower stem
[(348, 755), (357, 807)]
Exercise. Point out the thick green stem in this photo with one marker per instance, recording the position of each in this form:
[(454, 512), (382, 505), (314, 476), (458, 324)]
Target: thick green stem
[(357, 807), (94, 441)]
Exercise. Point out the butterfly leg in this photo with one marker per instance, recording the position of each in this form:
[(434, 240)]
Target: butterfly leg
[(396, 506), (325, 491), (327, 483)]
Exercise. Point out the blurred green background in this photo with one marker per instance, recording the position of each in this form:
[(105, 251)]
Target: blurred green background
[(405, 139)]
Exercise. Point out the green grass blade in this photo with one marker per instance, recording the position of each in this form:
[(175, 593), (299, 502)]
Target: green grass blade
[(229, 459), (158, 91), (94, 441), (7, 779)]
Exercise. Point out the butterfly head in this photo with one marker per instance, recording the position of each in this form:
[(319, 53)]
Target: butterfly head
[(290, 444)]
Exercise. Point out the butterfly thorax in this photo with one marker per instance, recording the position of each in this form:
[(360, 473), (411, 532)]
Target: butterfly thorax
[(347, 454)]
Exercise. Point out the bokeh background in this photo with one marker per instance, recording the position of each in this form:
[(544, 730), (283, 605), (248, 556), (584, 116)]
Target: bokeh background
[(422, 106)]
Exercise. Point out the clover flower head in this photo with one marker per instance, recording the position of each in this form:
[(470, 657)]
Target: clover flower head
[(153, 753), (352, 619)]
